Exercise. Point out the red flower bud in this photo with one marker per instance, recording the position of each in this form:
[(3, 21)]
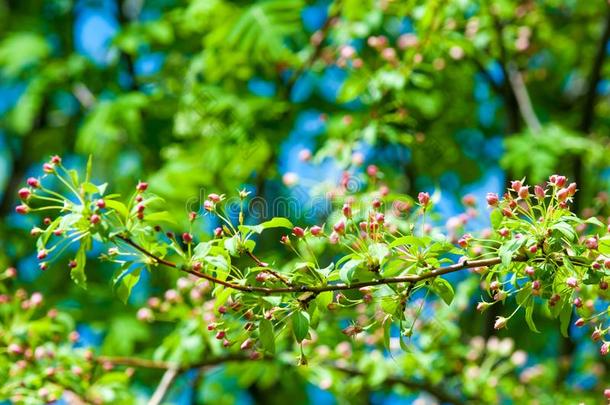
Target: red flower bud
[(55, 159), (187, 237), (376, 203), (24, 193), (22, 209), (579, 322), (516, 185), (424, 199), (101, 204), (72, 264), (524, 192), (42, 254), (316, 230), (372, 170), (33, 182), (591, 243), (298, 232), (48, 168), (572, 282), (540, 193), (95, 219), (347, 211), (562, 194), (214, 197), (218, 232), (141, 187), (339, 227), (220, 334), (492, 199)]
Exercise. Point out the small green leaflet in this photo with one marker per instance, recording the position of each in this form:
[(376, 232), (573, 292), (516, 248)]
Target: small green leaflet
[(496, 218), (272, 223), (126, 283), (265, 330), (78, 273), (346, 274), (300, 325), (443, 289)]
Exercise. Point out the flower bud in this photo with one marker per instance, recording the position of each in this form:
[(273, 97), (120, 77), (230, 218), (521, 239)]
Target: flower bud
[(33, 182), (95, 219), (562, 194), (591, 243), (42, 254), (334, 238), (492, 199), (101, 204), (424, 199), (247, 344), (347, 211), (145, 315), (298, 232), (316, 230), (604, 349), (524, 192), (579, 322), (141, 187), (372, 170), (48, 168), (187, 238), (539, 192), (516, 185), (572, 282), (24, 193), (500, 323), (22, 209), (339, 227)]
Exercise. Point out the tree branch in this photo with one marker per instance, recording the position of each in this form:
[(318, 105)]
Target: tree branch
[(523, 99), (166, 382), (409, 278)]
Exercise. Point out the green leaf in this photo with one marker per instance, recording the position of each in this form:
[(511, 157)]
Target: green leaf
[(346, 274), (496, 218), (232, 245), (387, 325), (119, 207), (508, 249), (443, 289), (126, 283), (379, 251), (300, 325), (267, 338), (323, 299), (564, 318), (566, 230), (78, 273), (529, 311), (161, 216), (278, 222)]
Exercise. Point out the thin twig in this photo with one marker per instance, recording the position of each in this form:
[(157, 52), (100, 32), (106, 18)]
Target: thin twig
[(166, 382)]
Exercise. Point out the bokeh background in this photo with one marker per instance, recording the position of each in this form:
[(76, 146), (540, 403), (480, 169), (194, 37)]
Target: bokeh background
[(281, 97)]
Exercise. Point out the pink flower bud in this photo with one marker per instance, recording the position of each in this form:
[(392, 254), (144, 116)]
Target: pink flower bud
[(48, 168), (562, 194), (218, 232), (524, 192), (572, 189), (187, 237), (339, 227), (504, 232), (492, 199), (380, 218), (304, 155), (42, 254), (372, 170), (43, 266), (376, 203), (141, 187), (591, 243), (248, 343), (579, 322), (607, 393), (577, 302), (14, 348), (22, 209), (222, 309), (424, 199), (516, 185), (101, 204), (221, 334), (334, 238), (145, 315), (298, 232), (208, 205), (316, 230), (539, 192), (533, 249), (572, 282), (95, 219), (33, 182), (55, 159), (560, 181), (347, 210), (596, 335), (603, 285), (24, 193), (536, 284), (214, 197)]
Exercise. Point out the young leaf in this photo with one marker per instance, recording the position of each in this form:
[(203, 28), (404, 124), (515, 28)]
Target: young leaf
[(126, 284), (443, 289), (278, 222), (346, 274), (300, 325), (265, 330)]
